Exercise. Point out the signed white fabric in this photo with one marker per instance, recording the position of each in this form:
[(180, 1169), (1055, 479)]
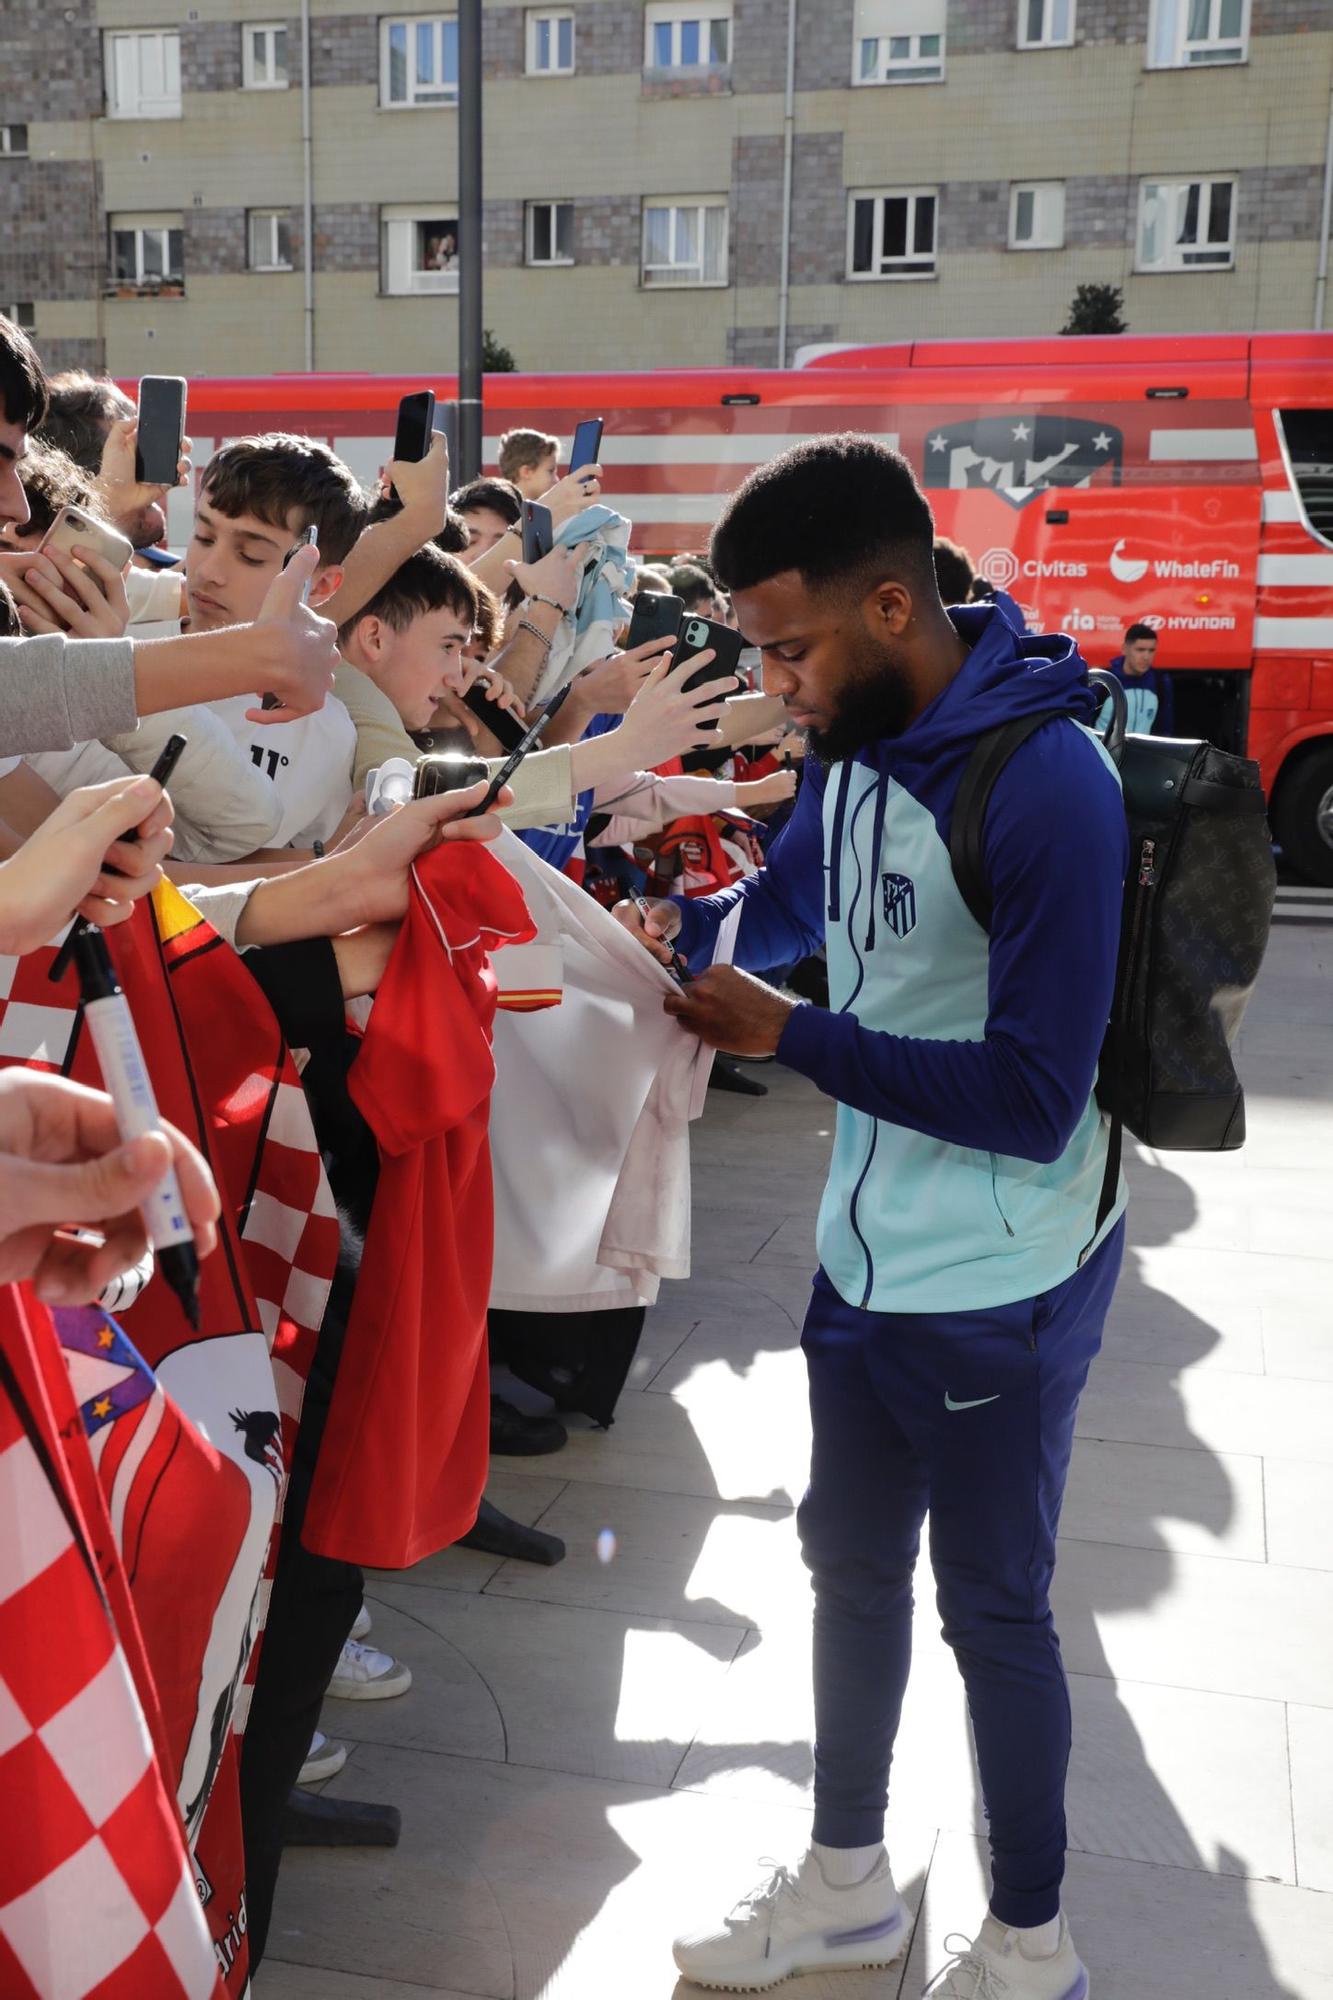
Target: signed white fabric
[(590, 1115)]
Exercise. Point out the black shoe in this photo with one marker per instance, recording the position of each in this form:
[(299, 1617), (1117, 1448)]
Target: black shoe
[(495, 1534), (726, 1076), (515, 1436)]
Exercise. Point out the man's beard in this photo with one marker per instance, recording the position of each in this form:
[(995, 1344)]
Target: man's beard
[(875, 701)]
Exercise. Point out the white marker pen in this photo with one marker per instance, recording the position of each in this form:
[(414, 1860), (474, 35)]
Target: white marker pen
[(125, 1074)]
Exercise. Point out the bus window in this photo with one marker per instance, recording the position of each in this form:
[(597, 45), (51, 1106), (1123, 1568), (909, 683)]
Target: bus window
[(1307, 438)]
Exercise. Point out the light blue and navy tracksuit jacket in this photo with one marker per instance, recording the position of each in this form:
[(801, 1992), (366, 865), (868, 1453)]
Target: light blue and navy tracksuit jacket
[(970, 1151)]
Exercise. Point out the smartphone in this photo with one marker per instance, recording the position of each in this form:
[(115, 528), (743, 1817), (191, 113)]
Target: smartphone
[(538, 531), (416, 420), (587, 444), (72, 525), (446, 771), (656, 616), (528, 741), (446, 423), (505, 728), (696, 635), (157, 450)]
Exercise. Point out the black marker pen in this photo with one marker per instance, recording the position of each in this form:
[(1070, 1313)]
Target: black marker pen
[(168, 758), (678, 965), (125, 1074)]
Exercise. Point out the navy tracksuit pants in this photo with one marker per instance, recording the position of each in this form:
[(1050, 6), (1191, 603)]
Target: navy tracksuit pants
[(968, 1416)]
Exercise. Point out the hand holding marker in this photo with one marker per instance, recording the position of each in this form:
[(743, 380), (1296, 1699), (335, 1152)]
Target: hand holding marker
[(308, 540), (125, 1074), (161, 772)]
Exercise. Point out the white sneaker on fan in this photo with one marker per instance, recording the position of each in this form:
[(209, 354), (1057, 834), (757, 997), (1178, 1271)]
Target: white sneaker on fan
[(796, 1923), (362, 1625), (365, 1674), (323, 1760)]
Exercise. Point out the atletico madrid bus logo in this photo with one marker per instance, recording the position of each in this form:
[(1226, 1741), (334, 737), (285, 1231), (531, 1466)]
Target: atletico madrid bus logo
[(1022, 454), (900, 904)]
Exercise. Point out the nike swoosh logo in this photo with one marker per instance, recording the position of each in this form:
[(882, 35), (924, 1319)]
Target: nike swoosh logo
[(950, 1404)]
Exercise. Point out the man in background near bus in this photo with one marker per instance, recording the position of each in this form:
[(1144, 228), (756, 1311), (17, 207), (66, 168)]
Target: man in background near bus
[(1149, 695)]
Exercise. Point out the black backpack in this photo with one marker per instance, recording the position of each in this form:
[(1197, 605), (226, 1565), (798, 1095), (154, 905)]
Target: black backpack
[(1197, 910)]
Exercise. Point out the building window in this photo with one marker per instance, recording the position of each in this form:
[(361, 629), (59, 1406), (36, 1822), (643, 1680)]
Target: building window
[(1187, 225), (892, 235), (1186, 33), (143, 74), (23, 313), (1037, 215), (550, 232), (687, 34), (148, 251), (1045, 24), (685, 242), (270, 239), (419, 61), (550, 41), (418, 250), (13, 142), (899, 41), (264, 55)]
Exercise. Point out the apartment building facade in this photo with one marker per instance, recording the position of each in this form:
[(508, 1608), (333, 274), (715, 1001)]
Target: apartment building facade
[(956, 167)]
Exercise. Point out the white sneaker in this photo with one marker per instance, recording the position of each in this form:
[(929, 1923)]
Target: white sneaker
[(324, 1760), (363, 1674), (992, 1966), (796, 1923), (362, 1625)]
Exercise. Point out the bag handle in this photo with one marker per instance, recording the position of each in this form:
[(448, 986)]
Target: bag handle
[(1113, 737)]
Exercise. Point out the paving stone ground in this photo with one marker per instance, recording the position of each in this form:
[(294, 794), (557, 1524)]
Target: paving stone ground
[(594, 1753)]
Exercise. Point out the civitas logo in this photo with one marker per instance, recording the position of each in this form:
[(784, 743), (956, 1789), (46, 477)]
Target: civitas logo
[(1126, 569), (1000, 568)]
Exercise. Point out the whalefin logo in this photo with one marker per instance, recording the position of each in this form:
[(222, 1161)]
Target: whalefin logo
[(900, 904), (1127, 569)]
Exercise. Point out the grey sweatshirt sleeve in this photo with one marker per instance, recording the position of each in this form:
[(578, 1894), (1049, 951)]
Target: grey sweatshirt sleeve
[(56, 692)]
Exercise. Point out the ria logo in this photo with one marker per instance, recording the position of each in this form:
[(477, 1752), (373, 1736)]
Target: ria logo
[(1126, 569), (1000, 568)]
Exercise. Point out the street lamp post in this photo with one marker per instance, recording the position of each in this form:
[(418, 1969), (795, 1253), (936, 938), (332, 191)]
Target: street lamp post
[(469, 240)]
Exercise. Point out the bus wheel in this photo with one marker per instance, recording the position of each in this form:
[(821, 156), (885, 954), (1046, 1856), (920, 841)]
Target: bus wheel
[(1303, 815)]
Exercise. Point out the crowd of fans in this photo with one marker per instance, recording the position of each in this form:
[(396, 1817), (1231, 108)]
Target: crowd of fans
[(284, 865)]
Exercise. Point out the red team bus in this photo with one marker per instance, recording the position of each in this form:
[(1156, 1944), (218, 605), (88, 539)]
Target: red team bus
[(1183, 482)]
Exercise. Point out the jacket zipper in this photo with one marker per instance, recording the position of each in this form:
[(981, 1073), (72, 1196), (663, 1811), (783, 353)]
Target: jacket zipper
[(995, 1196), (856, 1228)]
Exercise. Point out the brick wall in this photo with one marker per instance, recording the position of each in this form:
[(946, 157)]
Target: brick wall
[(347, 236), (61, 48), (609, 39), (214, 242), (87, 353), (606, 231), (756, 209), (824, 45), (1288, 17), (819, 210), (983, 25), (1101, 211), (210, 55), (759, 45), (1112, 21), (502, 234), (503, 51), (345, 48), (974, 215), (52, 230), (1279, 205), (757, 346)]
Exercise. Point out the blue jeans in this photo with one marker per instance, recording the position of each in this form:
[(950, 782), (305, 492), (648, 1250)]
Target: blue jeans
[(969, 1415)]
